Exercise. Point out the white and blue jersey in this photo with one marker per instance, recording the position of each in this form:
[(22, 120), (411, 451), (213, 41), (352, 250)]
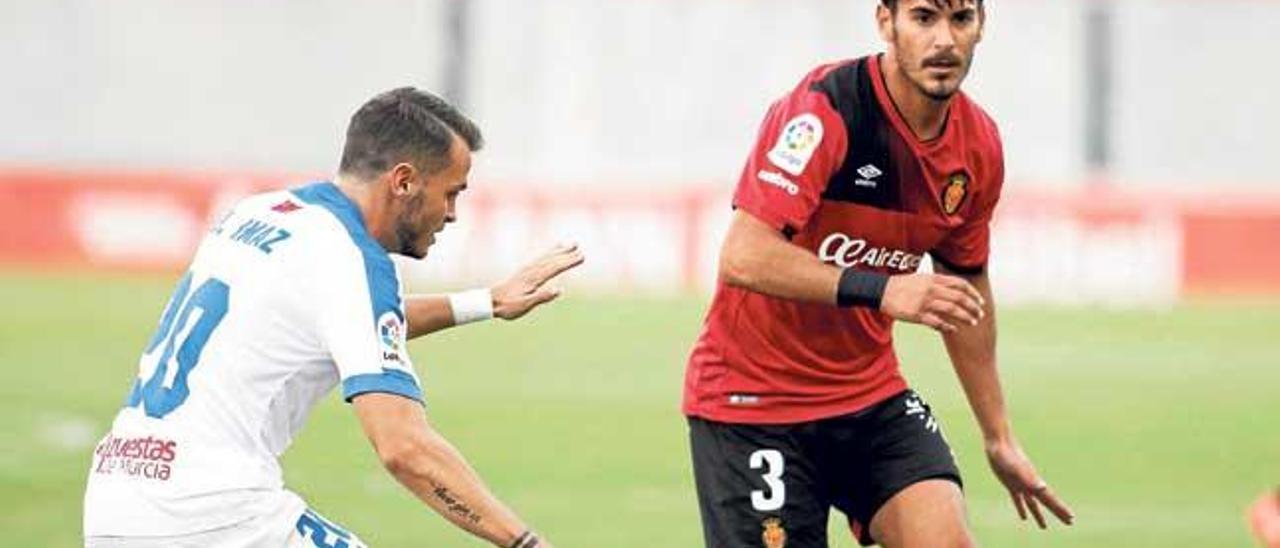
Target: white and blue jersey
[(287, 296)]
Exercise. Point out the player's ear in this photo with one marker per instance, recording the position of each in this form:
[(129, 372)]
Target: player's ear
[(884, 22), (401, 178)]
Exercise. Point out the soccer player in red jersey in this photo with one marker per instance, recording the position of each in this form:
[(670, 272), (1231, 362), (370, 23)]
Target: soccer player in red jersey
[(794, 396)]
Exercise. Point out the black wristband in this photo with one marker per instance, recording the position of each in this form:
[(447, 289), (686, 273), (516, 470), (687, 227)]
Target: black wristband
[(861, 288), (526, 540)]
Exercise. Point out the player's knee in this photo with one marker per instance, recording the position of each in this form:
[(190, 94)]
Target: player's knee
[(953, 534), (962, 539), (935, 539), (926, 515)]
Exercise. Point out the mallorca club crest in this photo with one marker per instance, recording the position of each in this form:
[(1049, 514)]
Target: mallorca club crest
[(774, 536), (955, 192)]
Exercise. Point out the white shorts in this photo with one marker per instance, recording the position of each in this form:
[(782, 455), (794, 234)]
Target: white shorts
[(292, 525)]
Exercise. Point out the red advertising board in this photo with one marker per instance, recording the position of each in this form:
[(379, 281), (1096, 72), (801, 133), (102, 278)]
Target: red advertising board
[(1082, 244)]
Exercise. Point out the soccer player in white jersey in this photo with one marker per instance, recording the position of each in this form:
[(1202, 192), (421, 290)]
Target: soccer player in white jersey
[(290, 294)]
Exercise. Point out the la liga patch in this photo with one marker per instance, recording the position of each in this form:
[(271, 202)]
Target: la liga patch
[(391, 337), (796, 144)]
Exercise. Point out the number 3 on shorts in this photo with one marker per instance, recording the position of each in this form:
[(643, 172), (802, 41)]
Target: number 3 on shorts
[(772, 462)]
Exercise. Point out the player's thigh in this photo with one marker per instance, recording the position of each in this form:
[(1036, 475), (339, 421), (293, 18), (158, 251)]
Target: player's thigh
[(312, 530), (755, 487), (926, 514), (892, 447)]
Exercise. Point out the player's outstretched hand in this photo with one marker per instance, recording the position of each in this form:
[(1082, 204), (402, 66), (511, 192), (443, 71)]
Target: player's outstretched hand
[(526, 289), (1025, 486), (1264, 518), (942, 302)]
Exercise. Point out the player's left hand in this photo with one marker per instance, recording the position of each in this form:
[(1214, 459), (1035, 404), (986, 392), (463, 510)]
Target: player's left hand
[(1025, 486), (526, 289), (1264, 518)]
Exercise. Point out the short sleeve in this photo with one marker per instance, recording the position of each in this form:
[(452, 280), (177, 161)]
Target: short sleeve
[(361, 322), (966, 249), (801, 143)]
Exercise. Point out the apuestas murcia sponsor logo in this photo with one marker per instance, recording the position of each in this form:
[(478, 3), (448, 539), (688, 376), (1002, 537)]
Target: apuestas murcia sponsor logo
[(777, 179), (844, 251), (149, 457)]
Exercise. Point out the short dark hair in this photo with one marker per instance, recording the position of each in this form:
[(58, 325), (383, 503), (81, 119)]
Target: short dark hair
[(404, 124), (893, 4)]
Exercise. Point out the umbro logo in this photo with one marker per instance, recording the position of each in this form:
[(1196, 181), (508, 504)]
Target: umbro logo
[(868, 174)]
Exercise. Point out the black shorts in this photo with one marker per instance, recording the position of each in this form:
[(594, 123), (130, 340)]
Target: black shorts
[(773, 485)]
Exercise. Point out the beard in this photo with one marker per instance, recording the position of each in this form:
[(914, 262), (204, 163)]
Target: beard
[(936, 90), (409, 233)]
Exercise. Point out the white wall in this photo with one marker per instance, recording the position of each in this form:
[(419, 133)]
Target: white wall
[(649, 92), (1197, 91), (225, 84), (673, 90)]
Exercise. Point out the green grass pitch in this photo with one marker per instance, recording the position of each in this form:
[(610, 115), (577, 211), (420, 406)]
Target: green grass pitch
[(1158, 427)]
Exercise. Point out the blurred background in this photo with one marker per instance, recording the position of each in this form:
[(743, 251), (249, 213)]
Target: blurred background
[(1133, 248)]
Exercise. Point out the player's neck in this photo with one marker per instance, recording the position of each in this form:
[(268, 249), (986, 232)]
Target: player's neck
[(363, 194), (926, 116)]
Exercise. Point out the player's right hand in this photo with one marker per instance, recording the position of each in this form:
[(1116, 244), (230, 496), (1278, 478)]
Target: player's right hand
[(527, 288), (942, 302)]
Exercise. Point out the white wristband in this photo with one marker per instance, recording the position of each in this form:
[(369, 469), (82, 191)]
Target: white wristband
[(471, 306)]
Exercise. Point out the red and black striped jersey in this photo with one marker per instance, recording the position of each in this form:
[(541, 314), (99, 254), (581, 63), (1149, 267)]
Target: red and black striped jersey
[(838, 171)]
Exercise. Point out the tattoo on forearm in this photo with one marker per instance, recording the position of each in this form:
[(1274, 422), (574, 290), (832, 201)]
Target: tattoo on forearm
[(455, 506)]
